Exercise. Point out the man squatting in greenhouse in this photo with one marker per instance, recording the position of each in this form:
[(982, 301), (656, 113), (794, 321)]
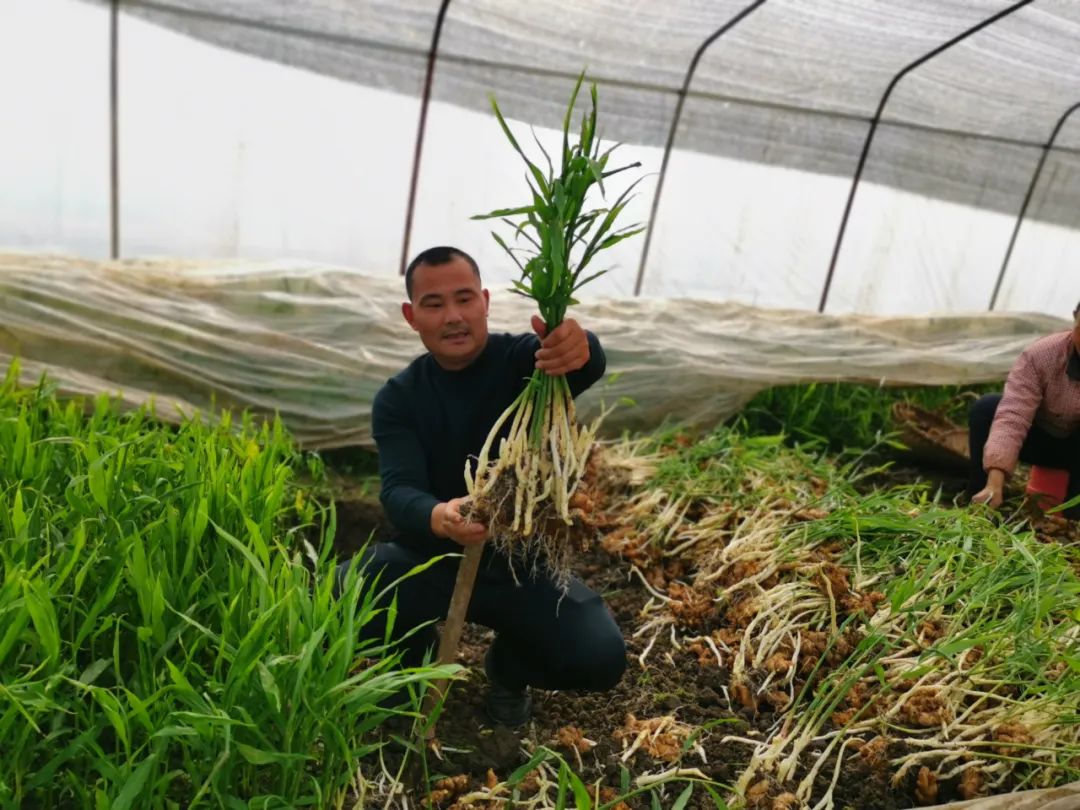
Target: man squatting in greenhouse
[(1036, 420), (426, 421)]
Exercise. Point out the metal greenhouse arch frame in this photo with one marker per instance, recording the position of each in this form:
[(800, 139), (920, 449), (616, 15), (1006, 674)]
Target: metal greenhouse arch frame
[(873, 129), (1027, 200), (425, 102), (674, 127)]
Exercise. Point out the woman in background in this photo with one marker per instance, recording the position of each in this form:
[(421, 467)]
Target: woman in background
[(1036, 420)]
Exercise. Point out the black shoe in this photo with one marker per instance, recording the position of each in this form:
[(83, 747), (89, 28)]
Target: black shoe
[(505, 706)]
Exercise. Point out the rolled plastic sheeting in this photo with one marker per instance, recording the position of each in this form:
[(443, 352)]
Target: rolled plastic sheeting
[(1066, 797), (314, 343)]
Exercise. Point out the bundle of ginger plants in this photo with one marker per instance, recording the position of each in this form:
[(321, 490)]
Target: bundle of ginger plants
[(525, 490)]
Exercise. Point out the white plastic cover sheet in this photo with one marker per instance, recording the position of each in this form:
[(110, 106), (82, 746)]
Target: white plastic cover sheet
[(315, 343), (1064, 797), (788, 58), (268, 129)]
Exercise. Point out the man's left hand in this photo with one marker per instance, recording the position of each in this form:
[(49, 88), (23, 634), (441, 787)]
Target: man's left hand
[(566, 349)]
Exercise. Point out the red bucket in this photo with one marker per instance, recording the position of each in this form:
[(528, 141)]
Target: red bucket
[(1047, 485)]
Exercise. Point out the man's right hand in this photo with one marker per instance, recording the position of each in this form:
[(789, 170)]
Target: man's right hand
[(994, 492), (447, 521)]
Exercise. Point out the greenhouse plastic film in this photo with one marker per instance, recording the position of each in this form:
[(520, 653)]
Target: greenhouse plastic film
[(831, 59), (315, 343), (1065, 797)]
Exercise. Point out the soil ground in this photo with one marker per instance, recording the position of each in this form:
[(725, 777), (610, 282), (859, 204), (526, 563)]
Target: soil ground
[(681, 687)]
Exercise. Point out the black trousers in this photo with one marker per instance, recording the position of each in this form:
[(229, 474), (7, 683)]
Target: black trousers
[(1039, 448), (543, 638)]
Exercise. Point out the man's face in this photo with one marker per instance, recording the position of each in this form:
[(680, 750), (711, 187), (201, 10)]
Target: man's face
[(449, 311)]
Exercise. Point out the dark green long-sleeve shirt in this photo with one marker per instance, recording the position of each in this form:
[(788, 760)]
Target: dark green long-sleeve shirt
[(426, 421)]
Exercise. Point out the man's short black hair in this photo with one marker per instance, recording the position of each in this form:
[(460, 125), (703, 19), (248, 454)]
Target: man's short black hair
[(443, 254)]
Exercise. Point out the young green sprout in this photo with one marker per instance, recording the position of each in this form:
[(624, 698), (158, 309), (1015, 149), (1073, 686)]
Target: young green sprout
[(526, 492)]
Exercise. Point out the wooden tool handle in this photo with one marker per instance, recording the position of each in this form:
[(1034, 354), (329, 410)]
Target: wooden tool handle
[(455, 623)]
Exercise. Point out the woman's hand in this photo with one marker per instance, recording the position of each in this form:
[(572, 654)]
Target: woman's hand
[(994, 492)]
